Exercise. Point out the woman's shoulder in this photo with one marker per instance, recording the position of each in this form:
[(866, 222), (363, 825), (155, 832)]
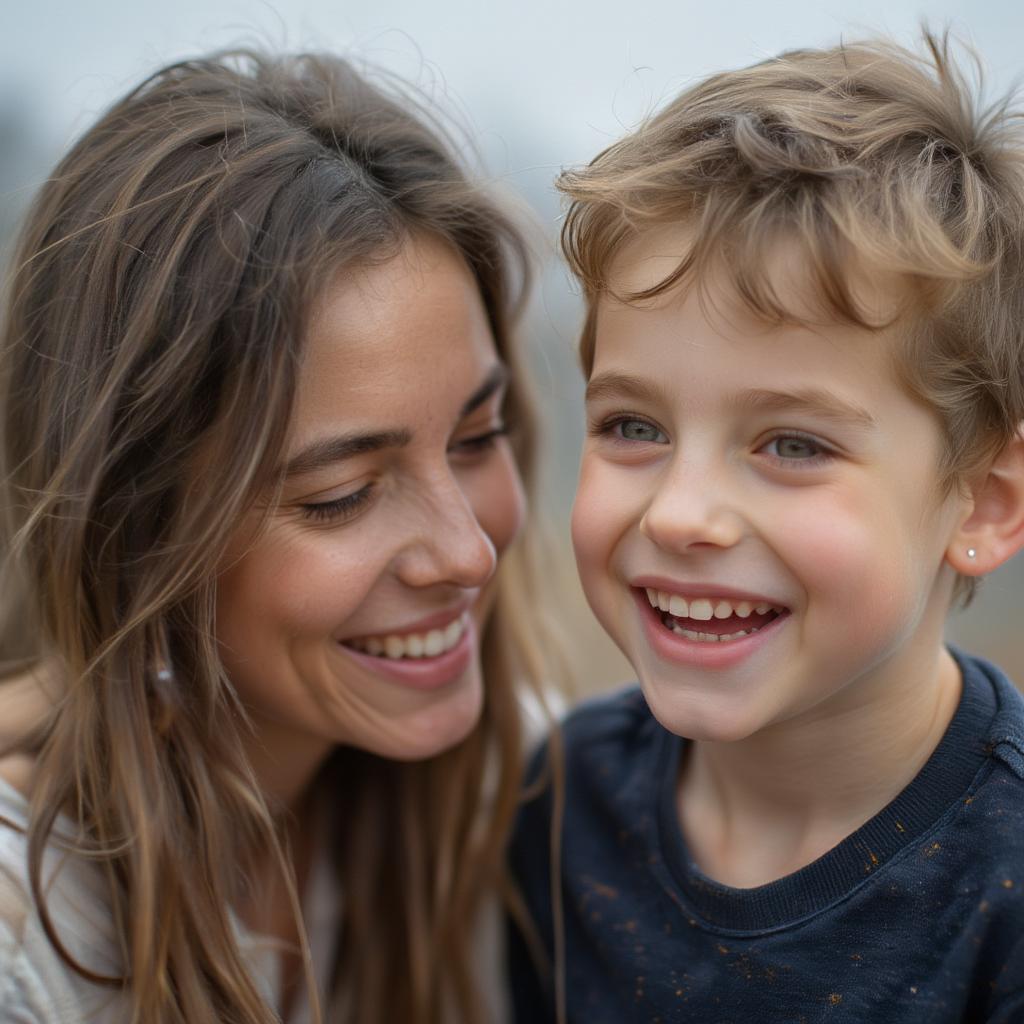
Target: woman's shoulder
[(37, 986), (36, 982), (27, 993)]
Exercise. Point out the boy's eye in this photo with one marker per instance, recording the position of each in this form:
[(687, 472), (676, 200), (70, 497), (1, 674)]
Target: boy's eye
[(795, 448), (639, 430)]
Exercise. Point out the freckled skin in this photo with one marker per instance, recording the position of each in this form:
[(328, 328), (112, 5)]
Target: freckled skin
[(401, 345)]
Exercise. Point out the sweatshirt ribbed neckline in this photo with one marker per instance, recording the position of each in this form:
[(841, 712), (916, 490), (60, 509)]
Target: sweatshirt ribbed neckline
[(942, 783)]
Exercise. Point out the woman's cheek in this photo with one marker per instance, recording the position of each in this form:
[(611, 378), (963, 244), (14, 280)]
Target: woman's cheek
[(500, 502)]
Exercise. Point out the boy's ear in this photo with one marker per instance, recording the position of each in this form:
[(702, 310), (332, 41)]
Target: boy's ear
[(994, 527)]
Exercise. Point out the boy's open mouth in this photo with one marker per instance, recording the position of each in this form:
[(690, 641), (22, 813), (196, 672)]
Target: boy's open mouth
[(712, 619)]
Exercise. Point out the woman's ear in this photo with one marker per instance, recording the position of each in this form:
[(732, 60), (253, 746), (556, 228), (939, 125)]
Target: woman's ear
[(993, 529)]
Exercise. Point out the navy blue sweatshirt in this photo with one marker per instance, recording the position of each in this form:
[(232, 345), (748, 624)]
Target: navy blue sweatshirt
[(916, 917)]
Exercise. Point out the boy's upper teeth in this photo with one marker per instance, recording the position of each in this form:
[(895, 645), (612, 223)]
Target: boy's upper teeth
[(706, 608), (412, 645)]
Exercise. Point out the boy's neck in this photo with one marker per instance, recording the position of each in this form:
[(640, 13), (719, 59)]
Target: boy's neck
[(760, 808)]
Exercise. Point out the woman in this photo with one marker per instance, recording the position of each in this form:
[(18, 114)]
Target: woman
[(263, 429)]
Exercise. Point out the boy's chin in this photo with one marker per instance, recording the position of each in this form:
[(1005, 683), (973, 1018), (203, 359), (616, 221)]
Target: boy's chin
[(701, 718)]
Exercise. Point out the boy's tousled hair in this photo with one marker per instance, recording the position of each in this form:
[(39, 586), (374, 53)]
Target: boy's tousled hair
[(866, 158)]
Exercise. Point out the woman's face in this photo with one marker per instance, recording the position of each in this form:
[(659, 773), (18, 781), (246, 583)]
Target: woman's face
[(354, 616)]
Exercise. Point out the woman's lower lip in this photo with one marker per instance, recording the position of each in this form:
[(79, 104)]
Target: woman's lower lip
[(423, 673), (702, 653)]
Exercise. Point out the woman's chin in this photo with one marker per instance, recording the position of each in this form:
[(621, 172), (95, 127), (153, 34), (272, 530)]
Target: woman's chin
[(437, 727)]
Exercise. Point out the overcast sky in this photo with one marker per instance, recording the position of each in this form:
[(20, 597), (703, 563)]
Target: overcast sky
[(543, 83)]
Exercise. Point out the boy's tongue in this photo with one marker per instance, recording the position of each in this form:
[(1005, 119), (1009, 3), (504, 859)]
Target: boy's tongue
[(720, 627)]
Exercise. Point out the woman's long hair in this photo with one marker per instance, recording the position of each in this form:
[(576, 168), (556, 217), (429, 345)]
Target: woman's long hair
[(150, 350)]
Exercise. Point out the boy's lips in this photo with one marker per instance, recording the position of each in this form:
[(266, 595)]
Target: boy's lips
[(691, 590), (712, 618), (709, 626)]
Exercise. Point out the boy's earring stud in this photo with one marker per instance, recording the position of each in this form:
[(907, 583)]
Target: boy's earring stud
[(971, 553)]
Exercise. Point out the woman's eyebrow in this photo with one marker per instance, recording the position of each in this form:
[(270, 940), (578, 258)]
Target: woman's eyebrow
[(495, 380), (329, 450)]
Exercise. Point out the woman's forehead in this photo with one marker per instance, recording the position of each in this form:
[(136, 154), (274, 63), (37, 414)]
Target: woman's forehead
[(393, 344)]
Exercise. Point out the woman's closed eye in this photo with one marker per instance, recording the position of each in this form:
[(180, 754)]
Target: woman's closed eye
[(478, 444), (337, 509)]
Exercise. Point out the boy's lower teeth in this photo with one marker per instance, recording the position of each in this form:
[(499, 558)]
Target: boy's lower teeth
[(692, 634), (705, 636)]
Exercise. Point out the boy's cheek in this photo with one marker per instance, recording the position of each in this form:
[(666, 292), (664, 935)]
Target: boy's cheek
[(827, 543), (588, 528), (856, 564), (602, 513)]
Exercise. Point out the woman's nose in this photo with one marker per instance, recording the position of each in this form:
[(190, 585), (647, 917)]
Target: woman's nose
[(447, 544)]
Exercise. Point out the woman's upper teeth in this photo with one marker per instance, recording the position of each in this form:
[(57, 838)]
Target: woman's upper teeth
[(412, 645), (706, 608)]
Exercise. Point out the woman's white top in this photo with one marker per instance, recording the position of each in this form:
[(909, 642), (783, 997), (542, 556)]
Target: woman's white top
[(38, 987)]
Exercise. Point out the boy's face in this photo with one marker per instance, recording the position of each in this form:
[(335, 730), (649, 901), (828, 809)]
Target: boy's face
[(758, 523)]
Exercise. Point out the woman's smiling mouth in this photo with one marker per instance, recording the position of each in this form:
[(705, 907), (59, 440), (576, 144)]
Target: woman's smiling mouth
[(435, 652), (425, 644)]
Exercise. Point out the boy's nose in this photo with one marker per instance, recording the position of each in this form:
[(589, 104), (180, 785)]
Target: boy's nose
[(447, 544), (691, 509)]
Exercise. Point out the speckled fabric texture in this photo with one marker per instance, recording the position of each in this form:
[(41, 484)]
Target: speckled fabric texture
[(916, 918)]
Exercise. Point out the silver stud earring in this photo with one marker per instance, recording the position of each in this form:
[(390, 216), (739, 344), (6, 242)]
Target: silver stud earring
[(971, 553)]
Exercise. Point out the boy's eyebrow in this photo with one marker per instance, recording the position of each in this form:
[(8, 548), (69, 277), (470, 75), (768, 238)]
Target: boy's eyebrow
[(329, 450), (815, 401), (619, 385)]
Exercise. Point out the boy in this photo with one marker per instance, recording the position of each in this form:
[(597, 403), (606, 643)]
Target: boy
[(805, 361)]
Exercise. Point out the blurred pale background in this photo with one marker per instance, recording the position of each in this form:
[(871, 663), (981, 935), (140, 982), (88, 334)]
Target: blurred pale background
[(541, 84)]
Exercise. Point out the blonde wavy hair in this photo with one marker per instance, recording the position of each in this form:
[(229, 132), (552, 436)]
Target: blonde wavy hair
[(865, 158), (154, 325)]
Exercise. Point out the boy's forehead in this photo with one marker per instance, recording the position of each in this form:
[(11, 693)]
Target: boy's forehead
[(652, 255), (689, 347), (649, 257)]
